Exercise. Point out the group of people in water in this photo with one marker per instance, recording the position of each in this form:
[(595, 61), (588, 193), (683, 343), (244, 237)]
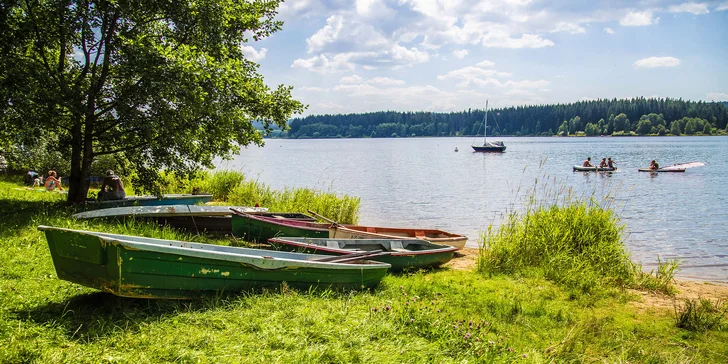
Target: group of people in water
[(605, 163), (609, 163), (111, 188)]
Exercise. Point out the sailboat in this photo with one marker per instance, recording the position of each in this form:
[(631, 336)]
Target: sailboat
[(494, 146)]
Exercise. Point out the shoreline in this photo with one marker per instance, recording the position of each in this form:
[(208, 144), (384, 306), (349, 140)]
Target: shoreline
[(466, 259)]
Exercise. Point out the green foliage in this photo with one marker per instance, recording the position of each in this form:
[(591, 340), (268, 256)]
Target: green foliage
[(165, 84), (564, 119), (701, 315), (442, 315), (658, 281)]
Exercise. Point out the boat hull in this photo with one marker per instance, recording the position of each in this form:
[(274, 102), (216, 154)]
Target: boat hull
[(593, 169), (153, 201), (255, 228), (404, 254), (489, 149), (660, 170), (131, 266), (371, 232)]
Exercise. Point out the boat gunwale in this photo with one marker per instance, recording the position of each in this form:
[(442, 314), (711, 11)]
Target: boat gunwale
[(284, 222), (283, 263), (287, 241)]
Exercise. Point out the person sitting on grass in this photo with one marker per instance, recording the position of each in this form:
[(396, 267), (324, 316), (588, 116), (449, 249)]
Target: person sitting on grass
[(115, 189), (654, 165), (52, 182), (587, 162)]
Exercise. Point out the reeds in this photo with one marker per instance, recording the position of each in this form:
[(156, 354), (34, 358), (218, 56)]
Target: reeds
[(700, 315)]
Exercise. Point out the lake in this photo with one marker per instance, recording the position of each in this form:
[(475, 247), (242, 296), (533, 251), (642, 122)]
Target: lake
[(424, 182)]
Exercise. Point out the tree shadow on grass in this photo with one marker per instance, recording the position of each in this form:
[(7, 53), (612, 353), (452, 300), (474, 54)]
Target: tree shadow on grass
[(94, 316), (18, 214)]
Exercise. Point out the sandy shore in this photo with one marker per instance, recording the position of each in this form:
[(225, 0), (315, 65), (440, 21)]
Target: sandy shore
[(465, 259)]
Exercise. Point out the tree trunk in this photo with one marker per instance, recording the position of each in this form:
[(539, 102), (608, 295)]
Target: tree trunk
[(75, 193)]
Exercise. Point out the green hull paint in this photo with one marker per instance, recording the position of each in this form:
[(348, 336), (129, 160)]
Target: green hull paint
[(422, 254), (255, 229), (130, 266)]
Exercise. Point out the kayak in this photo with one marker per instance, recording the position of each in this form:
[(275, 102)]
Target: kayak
[(662, 170), (593, 169)]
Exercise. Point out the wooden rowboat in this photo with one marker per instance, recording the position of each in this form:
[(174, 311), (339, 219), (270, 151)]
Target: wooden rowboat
[(132, 266), (375, 232), (261, 227), (405, 253), (196, 218)]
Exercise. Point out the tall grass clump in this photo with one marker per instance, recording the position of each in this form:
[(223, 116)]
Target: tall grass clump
[(660, 280), (577, 243), (219, 183), (700, 315), (343, 209)]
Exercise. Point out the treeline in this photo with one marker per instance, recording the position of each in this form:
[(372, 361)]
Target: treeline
[(640, 116)]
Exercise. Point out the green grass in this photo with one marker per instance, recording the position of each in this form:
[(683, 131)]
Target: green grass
[(701, 315), (429, 316)]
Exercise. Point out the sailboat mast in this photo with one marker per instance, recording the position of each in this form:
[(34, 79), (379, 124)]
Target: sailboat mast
[(485, 129)]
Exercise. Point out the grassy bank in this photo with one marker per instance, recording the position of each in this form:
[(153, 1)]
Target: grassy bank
[(430, 316)]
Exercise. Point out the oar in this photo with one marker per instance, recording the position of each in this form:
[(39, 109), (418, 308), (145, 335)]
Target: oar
[(323, 217), (353, 256)]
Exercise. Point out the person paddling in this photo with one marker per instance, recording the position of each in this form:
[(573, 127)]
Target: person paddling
[(587, 162), (654, 165), (603, 163), (610, 163)]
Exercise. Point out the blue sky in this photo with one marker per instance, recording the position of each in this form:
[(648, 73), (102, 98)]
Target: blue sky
[(450, 55)]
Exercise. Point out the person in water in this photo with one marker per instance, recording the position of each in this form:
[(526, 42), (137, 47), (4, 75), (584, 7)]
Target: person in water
[(603, 163), (610, 162), (654, 165), (115, 190), (52, 182), (587, 162)]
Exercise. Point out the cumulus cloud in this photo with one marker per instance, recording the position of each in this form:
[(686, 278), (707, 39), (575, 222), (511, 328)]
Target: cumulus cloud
[(485, 63), (385, 81), (723, 6), (500, 40), (638, 18), (571, 28), (654, 62), (350, 79), (692, 8), (471, 72), (253, 54), (460, 53), (717, 96), (608, 31)]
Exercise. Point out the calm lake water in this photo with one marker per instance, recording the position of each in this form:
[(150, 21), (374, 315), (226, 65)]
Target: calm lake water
[(424, 182)]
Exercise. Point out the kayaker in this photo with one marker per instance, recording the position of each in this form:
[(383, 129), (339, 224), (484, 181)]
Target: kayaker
[(654, 165), (603, 163), (610, 162), (587, 162), (115, 189)]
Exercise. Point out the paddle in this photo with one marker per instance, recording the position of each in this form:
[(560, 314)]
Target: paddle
[(323, 217), (353, 256)]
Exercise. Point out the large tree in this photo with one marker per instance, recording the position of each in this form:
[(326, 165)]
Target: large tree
[(163, 84)]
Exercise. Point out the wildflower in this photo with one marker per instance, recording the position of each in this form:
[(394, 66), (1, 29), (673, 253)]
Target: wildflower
[(467, 335), (412, 320), (374, 309), (524, 356), (406, 303), (438, 310), (387, 308)]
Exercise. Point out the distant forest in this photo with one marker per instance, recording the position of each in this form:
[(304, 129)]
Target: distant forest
[(637, 116)]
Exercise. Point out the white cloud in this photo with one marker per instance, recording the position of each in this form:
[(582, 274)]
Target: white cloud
[(692, 8), (638, 18), (472, 72), (485, 63), (385, 81), (350, 79), (411, 55), (717, 96), (571, 28), (313, 89), (253, 54), (460, 53), (608, 31), (653, 62), (322, 63), (723, 6), (500, 40)]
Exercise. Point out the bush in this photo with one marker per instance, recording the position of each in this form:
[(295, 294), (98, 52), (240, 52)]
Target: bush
[(700, 315)]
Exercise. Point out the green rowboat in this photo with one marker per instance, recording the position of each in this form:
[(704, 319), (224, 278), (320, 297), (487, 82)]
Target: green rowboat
[(404, 253), (263, 226), (132, 266)]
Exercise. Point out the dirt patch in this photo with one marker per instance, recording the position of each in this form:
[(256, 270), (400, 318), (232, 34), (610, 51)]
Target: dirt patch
[(466, 259)]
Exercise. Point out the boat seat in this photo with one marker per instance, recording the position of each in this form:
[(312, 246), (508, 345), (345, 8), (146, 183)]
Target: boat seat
[(419, 234), (332, 244), (396, 246)]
